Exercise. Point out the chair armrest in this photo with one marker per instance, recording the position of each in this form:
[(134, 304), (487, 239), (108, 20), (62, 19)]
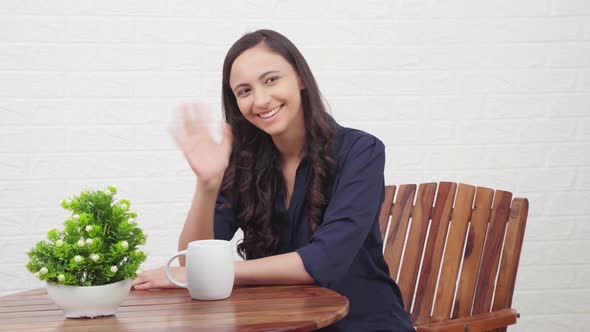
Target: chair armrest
[(479, 322)]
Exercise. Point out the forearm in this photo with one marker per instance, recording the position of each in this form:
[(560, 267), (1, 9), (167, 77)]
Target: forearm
[(199, 221), (285, 269)]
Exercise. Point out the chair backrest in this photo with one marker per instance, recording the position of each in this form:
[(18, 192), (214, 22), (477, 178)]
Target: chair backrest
[(448, 248)]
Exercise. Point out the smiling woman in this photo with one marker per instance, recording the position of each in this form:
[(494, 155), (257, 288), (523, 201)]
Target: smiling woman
[(305, 191), (269, 99)]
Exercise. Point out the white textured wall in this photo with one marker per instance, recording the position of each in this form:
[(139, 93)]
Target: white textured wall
[(493, 93)]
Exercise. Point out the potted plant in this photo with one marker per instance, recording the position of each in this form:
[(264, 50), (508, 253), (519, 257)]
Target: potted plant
[(89, 265)]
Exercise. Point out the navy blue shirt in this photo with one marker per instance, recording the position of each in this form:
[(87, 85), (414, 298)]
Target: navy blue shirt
[(345, 252)]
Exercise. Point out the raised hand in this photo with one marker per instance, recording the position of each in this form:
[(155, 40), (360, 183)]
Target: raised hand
[(207, 158)]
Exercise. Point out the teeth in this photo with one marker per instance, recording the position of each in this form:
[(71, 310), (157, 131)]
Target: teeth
[(271, 113)]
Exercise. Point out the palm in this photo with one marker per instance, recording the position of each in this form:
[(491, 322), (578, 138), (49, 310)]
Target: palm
[(207, 158)]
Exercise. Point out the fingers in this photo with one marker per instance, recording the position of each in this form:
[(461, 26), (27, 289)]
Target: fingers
[(154, 284), (194, 117), (189, 120), (154, 278), (141, 280), (146, 285), (137, 281), (177, 127), (145, 279)]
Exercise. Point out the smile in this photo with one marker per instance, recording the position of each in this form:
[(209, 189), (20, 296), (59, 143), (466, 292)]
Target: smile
[(271, 113)]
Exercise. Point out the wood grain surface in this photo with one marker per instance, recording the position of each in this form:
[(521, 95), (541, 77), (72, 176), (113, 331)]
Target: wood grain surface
[(453, 248), (269, 308)]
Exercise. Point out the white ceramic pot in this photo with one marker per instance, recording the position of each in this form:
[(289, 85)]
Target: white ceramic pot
[(92, 301)]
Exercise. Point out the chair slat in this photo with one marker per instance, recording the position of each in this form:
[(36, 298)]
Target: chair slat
[(471, 236), (491, 255), (511, 253), (510, 256), (400, 216), (385, 211), (441, 215), (453, 253), (420, 218), (473, 250)]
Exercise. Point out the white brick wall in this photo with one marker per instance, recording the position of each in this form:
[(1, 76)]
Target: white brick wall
[(493, 93)]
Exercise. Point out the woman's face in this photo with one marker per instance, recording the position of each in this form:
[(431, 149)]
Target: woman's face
[(268, 91)]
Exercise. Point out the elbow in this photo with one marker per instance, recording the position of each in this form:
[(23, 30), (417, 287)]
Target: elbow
[(321, 269), (326, 275)]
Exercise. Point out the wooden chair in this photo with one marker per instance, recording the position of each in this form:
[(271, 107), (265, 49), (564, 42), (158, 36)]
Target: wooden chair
[(456, 250)]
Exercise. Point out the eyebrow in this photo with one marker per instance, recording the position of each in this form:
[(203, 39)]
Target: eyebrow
[(259, 77)]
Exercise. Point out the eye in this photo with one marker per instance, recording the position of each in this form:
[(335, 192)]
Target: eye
[(243, 92), (271, 79)]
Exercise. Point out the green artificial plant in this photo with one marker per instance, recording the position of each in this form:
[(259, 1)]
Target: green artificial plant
[(98, 244)]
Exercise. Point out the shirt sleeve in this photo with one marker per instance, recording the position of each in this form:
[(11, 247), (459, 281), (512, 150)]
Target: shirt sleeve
[(350, 214), (223, 220)]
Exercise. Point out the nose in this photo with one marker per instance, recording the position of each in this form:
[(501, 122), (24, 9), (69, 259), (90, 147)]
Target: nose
[(261, 99)]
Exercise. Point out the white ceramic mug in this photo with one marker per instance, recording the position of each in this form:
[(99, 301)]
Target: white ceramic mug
[(209, 269)]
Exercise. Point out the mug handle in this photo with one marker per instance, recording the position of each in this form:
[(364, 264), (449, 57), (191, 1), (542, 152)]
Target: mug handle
[(167, 270)]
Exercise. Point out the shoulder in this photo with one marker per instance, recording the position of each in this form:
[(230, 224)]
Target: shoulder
[(360, 159), (350, 142)]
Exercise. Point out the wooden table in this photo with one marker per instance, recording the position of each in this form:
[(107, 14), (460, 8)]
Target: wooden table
[(269, 308)]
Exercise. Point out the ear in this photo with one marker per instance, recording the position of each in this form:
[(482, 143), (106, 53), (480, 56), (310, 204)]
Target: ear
[(300, 83)]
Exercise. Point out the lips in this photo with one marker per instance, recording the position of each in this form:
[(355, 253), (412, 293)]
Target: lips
[(271, 113)]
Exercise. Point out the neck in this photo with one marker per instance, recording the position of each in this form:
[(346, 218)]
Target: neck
[(290, 145)]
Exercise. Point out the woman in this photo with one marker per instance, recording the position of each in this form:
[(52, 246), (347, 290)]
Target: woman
[(305, 191)]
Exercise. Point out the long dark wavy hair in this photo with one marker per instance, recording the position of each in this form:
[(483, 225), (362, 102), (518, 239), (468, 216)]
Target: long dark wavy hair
[(254, 177)]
